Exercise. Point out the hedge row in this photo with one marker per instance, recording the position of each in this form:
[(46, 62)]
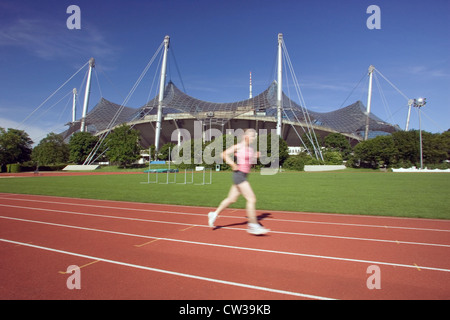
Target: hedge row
[(17, 167)]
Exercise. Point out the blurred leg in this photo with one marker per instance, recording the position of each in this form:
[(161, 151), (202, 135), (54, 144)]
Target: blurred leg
[(249, 195), (232, 197)]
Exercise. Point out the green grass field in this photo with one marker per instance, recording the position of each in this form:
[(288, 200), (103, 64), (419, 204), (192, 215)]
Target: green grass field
[(424, 195)]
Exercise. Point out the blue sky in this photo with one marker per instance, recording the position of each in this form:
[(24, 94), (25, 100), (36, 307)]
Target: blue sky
[(215, 44)]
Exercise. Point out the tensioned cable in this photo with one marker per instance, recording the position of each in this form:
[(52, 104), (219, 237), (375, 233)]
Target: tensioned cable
[(351, 92), (303, 103), (273, 72), (176, 66), (384, 101), (57, 126), (65, 107), (150, 92), (434, 122), (389, 114), (117, 90), (291, 109), (52, 95), (407, 99), (298, 135), (308, 134), (51, 107), (398, 90), (113, 120), (139, 115), (98, 83), (363, 92)]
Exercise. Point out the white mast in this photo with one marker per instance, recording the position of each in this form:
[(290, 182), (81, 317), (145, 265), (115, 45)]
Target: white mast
[(161, 94), (251, 89), (279, 83), (74, 106), (86, 95), (369, 102), (410, 103)]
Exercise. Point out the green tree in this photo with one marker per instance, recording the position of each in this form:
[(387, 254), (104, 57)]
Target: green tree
[(434, 148), (338, 142), (308, 140), (283, 149), (445, 142), (407, 144), (123, 146), (15, 146), (80, 145), (380, 151), (296, 162), (333, 157), (51, 150), (164, 151)]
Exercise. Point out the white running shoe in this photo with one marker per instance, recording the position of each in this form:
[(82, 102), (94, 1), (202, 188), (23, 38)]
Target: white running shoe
[(256, 229), (212, 216)]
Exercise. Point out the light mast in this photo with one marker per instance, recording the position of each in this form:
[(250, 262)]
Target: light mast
[(369, 102), (86, 95), (279, 84), (251, 89), (161, 95)]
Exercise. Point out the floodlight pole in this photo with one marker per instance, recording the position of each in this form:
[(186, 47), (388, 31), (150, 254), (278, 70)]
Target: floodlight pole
[(369, 102), (161, 95), (420, 138), (419, 103), (86, 95), (279, 84)]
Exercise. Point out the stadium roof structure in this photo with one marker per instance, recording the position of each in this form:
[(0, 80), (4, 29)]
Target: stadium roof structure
[(181, 110), (159, 121), (101, 116)]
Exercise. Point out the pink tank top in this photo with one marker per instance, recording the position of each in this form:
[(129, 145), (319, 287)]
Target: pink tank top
[(245, 158)]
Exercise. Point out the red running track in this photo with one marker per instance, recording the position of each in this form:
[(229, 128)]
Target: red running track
[(150, 251)]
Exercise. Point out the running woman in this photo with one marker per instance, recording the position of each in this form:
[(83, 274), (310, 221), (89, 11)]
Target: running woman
[(245, 156)]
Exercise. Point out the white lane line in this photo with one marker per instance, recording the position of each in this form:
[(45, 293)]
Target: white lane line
[(234, 217), (179, 274), (230, 228), (414, 266)]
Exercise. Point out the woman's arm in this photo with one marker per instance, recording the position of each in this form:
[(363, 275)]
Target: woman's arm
[(228, 160)]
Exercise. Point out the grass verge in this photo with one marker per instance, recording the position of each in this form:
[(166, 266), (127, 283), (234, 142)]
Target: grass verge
[(423, 195)]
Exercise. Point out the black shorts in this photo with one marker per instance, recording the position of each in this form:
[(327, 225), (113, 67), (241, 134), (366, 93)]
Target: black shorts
[(239, 177)]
